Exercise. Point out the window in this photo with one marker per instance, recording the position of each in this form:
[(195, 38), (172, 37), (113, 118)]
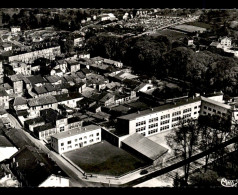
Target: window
[(80, 138), (195, 107), (91, 135), (204, 113), (176, 119), (141, 123), (97, 138), (214, 110), (61, 129), (76, 145), (153, 119), (85, 142), (187, 110), (165, 116), (69, 142), (195, 112), (85, 137), (140, 129), (205, 107), (164, 127), (209, 109), (76, 140), (97, 134), (152, 131), (176, 113), (62, 148), (91, 140), (62, 144), (164, 122), (143, 134)]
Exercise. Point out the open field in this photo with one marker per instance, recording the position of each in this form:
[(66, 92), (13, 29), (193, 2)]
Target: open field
[(200, 24), (171, 34), (104, 158)]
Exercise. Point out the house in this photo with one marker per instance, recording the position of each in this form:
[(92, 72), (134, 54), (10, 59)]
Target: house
[(69, 99), (74, 122), (7, 179), (40, 91), (54, 79), (112, 62), (21, 68), (43, 132), (78, 42), (108, 16), (15, 29), (7, 149), (73, 65), (76, 138), (34, 168), (8, 88), (30, 124), (57, 71), (17, 82), (104, 98), (35, 80), (7, 47), (225, 41), (144, 87), (4, 98), (20, 103), (35, 68), (41, 103)]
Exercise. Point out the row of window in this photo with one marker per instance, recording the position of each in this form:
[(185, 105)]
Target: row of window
[(165, 116), (140, 123), (85, 137), (152, 131), (153, 119), (164, 122), (175, 125), (153, 125), (187, 110), (213, 110), (186, 116), (176, 118), (176, 113), (140, 129), (164, 127)]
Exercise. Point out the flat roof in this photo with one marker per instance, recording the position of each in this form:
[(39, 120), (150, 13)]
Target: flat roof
[(216, 103), (160, 108), (75, 131)]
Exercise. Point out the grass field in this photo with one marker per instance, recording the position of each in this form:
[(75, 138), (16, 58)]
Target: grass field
[(171, 34), (200, 24), (104, 158)]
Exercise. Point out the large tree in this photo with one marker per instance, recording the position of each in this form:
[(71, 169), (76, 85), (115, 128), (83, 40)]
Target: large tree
[(184, 142)]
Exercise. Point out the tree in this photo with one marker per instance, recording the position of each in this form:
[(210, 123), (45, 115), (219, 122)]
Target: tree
[(207, 179), (184, 141)]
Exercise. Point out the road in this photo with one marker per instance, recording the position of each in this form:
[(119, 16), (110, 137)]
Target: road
[(69, 169)]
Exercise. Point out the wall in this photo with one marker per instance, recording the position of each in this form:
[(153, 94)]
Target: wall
[(55, 181)]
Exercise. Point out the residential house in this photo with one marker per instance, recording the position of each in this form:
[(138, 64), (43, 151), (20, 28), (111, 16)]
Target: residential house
[(69, 99), (73, 65), (20, 103), (7, 47), (30, 124), (104, 98), (41, 103), (225, 41), (7, 149), (17, 82), (34, 168), (8, 88), (15, 29), (4, 98), (112, 62), (43, 132)]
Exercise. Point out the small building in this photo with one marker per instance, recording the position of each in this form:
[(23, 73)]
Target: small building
[(43, 132), (7, 47), (225, 41), (15, 29), (7, 149), (34, 168), (17, 83), (4, 99), (30, 124), (76, 138), (69, 99), (20, 103)]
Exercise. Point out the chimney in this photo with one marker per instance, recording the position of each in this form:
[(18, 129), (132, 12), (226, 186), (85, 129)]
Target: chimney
[(138, 112)]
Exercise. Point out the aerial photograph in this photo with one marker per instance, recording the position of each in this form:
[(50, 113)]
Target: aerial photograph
[(118, 98)]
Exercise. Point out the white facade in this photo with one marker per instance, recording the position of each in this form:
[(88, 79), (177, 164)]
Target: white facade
[(164, 120), (7, 152), (226, 41), (15, 29), (55, 181), (76, 138)]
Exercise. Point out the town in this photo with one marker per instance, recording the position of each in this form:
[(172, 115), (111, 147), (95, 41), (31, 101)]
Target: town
[(88, 100)]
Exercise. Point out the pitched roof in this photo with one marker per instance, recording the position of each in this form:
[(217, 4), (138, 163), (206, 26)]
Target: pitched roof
[(36, 79), (40, 90), (44, 127), (4, 142), (19, 101), (35, 165), (53, 78), (42, 100), (3, 92), (145, 146), (67, 96), (34, 120), (49, 87)]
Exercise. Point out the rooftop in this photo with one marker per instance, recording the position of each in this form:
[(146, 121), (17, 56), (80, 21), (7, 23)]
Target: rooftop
[(160, 108), (145, 146), (76, 131), (67, 96), (42, 100), (44, 127)]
